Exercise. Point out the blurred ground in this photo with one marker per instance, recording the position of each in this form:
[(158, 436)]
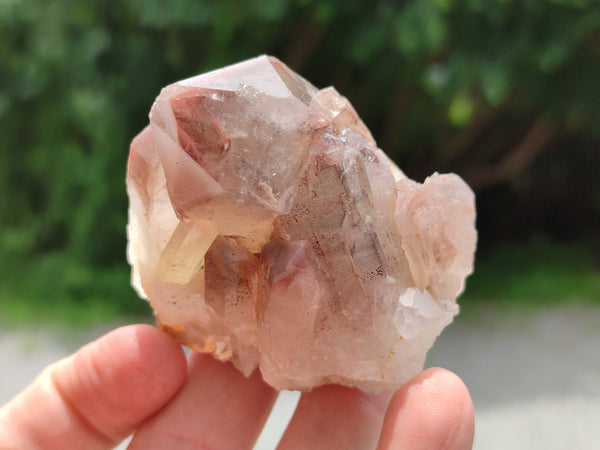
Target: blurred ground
[(534, 376)]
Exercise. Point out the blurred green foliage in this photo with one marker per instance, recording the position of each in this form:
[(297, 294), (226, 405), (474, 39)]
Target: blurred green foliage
[(539, 272), (500, 91)]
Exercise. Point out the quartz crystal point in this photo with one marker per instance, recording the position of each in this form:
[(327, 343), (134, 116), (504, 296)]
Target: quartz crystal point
[(267, 228)]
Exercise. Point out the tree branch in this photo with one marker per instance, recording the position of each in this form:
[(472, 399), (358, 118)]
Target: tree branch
[(462, 140), (517, 160)]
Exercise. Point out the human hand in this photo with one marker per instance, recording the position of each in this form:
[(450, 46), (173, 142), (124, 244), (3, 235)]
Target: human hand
[(136, 380)]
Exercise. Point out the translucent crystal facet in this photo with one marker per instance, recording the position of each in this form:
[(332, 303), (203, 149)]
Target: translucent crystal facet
[(267, 228)]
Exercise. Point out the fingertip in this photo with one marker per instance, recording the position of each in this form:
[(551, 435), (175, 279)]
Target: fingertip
[(99, 395), (217, 407), (433, 410), (143, 352), (118, 381), (334, 416)]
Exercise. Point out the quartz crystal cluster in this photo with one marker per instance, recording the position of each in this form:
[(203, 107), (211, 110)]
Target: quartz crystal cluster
[(267, 228)]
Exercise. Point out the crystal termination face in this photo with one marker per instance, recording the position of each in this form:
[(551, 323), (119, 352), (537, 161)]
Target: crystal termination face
[(267, 228)]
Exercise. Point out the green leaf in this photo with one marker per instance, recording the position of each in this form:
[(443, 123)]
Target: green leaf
[(461, 110), (552, 56), (495, 84), (420, 28)]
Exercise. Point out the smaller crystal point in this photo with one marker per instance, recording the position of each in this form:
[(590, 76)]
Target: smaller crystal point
[(267, 228)]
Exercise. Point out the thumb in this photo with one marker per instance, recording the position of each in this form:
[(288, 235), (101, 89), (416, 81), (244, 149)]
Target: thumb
[(97, 396)]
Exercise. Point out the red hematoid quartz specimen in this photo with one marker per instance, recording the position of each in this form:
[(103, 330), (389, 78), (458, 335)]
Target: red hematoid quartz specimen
[(267, 228)]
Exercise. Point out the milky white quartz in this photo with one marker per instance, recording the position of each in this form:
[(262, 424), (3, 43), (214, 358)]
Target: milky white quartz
[(267, 228)]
